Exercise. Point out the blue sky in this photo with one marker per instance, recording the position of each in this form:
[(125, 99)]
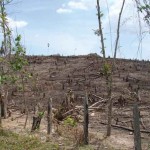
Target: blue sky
[(68, 26)]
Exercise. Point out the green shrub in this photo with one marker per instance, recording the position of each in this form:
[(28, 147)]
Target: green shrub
[(70, 121)]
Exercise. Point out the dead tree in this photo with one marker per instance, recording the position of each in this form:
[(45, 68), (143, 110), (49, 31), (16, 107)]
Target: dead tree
[(86, 120), (121, 101), (108, 69), (5, 102), (49, 117), (137, 135), (1, 97), (3, 107), (136, 124)]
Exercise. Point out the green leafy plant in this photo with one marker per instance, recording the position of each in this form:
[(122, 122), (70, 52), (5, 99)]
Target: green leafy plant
[(70, 122), (18, 60), (106, 69), (41, 114)]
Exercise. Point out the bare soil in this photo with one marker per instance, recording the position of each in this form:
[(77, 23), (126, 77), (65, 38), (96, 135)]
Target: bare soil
[(53, 75)]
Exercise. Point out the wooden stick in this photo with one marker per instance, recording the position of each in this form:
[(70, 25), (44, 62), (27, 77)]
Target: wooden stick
[(142, 123), (67, 112), (86, 120), (27, 115), (125, 128), (17, 117), (5, 104), (136, 123), (99, 97), (0, 112), (97, 103), (49, 117)]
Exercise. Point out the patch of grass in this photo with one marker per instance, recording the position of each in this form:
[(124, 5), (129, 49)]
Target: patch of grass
[(12, 141), (86, 148)]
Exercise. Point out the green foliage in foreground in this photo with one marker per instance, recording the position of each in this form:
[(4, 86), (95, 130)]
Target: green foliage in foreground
[(70, 121), (12, 141)]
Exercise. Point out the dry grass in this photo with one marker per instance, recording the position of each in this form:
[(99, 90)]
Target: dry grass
[(12, 141)]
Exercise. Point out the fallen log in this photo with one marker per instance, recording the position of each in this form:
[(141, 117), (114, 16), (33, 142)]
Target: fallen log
[(123, 121), (97, 103), (17, 117), (79, 108), (125, 128), (68, 112), (98, 97), (90, 108)]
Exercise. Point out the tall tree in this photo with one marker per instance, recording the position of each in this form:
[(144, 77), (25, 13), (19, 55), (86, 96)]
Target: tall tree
[(107, 68), (143, 6), (6, 42), (10, 65)]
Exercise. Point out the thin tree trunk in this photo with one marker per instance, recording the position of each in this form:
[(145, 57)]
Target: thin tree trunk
[(109, 91), (27, 115), (137, 134), (109, 78), (3, 27), (100, 30), (5, 105), (118, 30), (49, 117), (86, 120), (0, 112), (108, 74), (23, 90), (24, 107)]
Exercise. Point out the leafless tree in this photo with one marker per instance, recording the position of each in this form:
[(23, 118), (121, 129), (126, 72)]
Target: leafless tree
[(108, 70)]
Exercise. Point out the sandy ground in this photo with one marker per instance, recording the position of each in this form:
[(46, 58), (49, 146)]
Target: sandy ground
[(119, 140)]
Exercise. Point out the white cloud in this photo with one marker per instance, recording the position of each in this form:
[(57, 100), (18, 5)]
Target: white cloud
[(129, 31), (90, 4), (63, 11), (77, 5), (129, 20), (16, 24)]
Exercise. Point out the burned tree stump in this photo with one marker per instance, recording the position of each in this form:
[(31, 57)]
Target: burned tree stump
[(121, 101), (36, 123), (70, 99), (37, 117)]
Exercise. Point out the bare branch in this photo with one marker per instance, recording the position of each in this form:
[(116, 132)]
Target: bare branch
[(118, 30), (100, 29)]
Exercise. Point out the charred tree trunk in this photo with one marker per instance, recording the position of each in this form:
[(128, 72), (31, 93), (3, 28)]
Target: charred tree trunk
[(27, 114), (0, 112), (36, 123), (137, 135), (108, 70), (37, 117), (109, 92), (86, 120), (5, 103), (49, 117), (1, 107)]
